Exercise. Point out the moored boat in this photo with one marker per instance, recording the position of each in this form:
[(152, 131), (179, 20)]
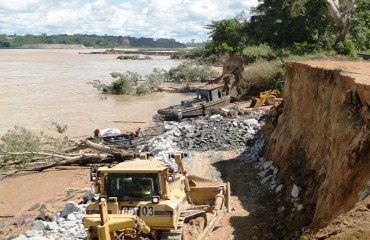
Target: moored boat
[(208, 97)]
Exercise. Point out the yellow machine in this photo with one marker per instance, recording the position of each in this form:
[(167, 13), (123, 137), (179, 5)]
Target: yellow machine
[(268, 97), (265, 98), (145, 199)]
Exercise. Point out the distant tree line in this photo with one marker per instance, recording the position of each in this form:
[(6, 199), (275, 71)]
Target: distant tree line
[(18, 41)]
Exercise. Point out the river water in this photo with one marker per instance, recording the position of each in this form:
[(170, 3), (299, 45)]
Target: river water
[(41, 86)]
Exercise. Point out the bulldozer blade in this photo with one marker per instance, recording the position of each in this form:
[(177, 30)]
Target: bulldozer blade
[(256, 103)]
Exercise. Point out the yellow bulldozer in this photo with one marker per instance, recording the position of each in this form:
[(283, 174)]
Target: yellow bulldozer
[(268, 97), (146, 199)]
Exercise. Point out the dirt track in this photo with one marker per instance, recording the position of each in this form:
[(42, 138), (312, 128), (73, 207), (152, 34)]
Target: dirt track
[(252, 204)]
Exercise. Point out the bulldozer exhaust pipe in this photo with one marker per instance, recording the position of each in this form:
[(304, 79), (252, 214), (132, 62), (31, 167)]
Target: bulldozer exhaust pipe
[(219, 200)]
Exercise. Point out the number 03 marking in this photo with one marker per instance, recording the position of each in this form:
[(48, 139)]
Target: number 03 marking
[(147, 211)]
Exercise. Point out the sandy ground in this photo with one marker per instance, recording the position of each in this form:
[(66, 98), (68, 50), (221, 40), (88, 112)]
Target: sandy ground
[(24, 197)]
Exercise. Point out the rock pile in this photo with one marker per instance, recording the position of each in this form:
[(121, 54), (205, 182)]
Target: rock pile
[(216, 133), (65, 225), (268, 177)]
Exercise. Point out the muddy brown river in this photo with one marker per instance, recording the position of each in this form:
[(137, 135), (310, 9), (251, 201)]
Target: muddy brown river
[(41, 86)]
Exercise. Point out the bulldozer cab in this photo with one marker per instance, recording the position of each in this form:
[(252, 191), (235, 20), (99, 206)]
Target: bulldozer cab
[(279, 86), (132, 186)]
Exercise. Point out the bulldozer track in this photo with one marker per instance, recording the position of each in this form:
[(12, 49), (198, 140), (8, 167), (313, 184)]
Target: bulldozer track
[(184, 217)]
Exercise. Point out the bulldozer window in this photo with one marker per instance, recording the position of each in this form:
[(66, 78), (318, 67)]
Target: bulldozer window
[(133, 186)]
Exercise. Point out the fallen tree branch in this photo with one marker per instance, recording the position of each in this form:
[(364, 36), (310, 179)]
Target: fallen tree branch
[(114, 151), (69, 160)]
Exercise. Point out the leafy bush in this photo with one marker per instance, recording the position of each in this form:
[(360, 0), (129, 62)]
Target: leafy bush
[(18, 140), (262, 75), (129, 83), (122, 84), (261, 52), (346, 48), (155, 78), (188, 71), (18, 143), (302, 48), (142, 89)]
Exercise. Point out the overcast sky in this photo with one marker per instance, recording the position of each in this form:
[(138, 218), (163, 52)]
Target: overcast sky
[(182, 20)]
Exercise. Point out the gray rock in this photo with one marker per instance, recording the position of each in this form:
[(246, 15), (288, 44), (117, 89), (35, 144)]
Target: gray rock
[(32, 233), (266, 179), (70, 208), (296, 191), (177, 133), (251, 122), (71, 217), (280, 188), (300, 207), (52, 226), (39, 238), (265, 173), (60, 219), (363, 195), (38, 225), (267, 164), (21, 237), (89, 195), (276, 170)]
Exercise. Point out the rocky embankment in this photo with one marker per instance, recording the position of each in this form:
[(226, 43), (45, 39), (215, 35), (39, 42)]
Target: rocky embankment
[(320, 141)]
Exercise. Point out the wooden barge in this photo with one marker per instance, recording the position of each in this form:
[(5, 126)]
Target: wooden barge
[(208, 97)]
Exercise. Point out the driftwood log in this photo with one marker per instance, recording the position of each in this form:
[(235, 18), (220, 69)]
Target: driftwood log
[(103, 154)]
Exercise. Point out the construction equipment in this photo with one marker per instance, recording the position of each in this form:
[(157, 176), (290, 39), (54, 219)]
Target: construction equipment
[(146, 199), (268, 97)]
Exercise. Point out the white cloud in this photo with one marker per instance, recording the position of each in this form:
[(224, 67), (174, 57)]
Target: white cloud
[(12, 5), (180, 19)]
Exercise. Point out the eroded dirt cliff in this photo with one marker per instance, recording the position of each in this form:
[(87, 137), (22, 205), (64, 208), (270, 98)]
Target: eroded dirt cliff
[(321, 140)]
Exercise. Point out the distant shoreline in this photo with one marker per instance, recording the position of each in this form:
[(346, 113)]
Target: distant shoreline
[(53, 46)]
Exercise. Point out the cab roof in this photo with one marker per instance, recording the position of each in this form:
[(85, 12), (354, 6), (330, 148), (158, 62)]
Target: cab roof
[(210, 86), (136, 166)]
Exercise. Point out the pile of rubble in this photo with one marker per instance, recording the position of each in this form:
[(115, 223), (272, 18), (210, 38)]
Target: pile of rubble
[(65, 225), (204, 133)]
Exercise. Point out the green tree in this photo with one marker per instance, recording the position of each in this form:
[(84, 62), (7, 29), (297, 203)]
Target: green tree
[(124, 83), (227, 35), (285, 22), (342, 16), (360, 30), (155, 78)]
